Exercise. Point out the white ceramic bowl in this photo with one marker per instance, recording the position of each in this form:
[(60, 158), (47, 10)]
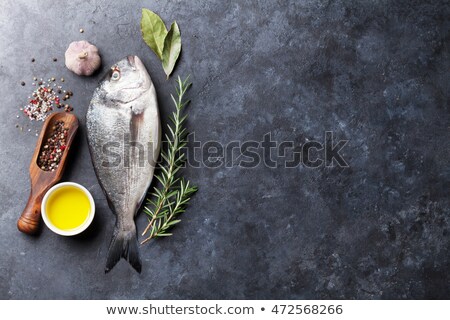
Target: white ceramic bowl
[(77, 230)]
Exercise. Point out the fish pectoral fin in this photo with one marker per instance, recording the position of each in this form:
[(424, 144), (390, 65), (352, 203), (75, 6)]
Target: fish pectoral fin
[(124, 244)]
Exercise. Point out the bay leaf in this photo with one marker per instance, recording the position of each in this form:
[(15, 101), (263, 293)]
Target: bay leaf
[(172, 49), (153, 31)]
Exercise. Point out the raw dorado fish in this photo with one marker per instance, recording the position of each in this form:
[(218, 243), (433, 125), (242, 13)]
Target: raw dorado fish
[(124, 137)]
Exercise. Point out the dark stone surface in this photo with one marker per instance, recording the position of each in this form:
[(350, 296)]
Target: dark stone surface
[(374, 72)]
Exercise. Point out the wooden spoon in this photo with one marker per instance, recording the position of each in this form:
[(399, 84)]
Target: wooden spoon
[(42, 180)]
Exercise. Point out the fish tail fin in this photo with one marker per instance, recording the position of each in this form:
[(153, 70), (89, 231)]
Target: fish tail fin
[(124, 244)]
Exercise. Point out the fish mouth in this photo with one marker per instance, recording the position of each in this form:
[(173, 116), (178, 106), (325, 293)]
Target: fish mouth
[(135, 62), (131, 60), (137, 65)]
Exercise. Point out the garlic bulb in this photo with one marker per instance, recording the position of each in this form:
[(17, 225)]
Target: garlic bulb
[(82, 58)]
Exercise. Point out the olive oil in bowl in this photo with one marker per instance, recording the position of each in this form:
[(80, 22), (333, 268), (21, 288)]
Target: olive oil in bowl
[(68, 208)]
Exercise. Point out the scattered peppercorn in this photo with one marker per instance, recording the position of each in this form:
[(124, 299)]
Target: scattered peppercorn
[(33, 60), (55, 59), (44, 99), (22, 83)]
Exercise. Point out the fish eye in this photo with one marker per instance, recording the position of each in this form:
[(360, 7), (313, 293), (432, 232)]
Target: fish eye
[(115, 75)]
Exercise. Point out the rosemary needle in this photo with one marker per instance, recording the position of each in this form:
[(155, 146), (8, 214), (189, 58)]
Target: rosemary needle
[(169, 201)]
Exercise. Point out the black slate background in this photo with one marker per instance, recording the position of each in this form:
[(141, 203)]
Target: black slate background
[(375, 73)]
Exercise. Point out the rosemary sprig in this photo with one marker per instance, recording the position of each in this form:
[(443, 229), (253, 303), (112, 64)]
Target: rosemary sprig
[(172, 197)]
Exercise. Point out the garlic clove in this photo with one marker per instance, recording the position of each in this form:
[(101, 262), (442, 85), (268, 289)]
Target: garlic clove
[(82, 58)]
